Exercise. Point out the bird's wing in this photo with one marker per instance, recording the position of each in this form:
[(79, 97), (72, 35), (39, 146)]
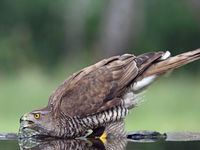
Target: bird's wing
[(100, 86)]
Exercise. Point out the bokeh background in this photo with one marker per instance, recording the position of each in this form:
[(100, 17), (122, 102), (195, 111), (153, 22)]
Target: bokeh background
[(42, 42)]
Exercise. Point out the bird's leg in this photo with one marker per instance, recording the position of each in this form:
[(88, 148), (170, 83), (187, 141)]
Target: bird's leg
[(97, 132)]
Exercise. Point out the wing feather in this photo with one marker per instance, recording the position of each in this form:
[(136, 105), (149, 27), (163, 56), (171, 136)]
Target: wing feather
[(100, 86)]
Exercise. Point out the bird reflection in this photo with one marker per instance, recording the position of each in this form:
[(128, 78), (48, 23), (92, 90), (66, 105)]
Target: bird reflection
[(38, 142), (75, 144)]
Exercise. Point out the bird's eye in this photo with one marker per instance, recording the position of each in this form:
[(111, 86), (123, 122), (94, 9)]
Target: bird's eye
[(37, 116)]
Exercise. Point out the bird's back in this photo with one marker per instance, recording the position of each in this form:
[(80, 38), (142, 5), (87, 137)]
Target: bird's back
[(102, 86)]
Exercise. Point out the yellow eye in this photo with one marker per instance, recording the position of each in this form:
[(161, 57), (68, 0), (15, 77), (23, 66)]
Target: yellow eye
[(37, 116)]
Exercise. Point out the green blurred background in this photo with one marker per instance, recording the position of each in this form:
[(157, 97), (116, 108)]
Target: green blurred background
[(42, 42)]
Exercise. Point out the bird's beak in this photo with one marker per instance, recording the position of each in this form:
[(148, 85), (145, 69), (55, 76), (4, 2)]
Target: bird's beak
[(23, 118), (25, 122)]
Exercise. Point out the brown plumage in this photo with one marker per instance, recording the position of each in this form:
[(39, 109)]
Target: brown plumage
[(101, 94)]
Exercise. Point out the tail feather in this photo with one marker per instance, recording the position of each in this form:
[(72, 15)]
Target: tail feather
[(154, 69), (171, 63)]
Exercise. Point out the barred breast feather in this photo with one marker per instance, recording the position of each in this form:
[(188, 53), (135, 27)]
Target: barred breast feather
[(79, 125)]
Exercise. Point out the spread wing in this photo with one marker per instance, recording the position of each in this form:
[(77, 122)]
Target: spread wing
[(100, 86)]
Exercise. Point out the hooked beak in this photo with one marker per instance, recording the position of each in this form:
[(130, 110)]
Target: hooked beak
[(23, 118), (25, 122)]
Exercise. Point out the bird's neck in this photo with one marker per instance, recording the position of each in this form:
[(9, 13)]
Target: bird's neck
[(68, 127)]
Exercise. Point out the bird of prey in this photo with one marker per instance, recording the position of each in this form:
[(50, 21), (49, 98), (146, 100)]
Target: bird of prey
[(99, 97)]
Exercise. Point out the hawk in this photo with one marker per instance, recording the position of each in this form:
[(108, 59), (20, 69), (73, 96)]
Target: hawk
[(99, 97)]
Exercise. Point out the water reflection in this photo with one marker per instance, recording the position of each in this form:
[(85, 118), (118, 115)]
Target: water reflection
[(114, 144), (158, 145), (111, 143), (76, 144), (136, 140)]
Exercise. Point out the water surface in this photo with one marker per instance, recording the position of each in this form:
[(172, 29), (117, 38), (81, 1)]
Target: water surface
[(136, 141)]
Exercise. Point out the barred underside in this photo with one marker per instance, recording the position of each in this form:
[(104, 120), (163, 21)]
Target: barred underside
[(78, 126), (115, 130)]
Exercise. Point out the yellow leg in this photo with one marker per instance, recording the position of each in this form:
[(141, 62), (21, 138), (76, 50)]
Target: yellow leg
[(103, 137)]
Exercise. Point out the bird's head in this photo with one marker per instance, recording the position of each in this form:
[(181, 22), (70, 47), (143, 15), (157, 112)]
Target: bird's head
[(40, 120)]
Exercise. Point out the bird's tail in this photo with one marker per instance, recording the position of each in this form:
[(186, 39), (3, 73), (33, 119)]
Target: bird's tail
[(154, 71), (171, 63)]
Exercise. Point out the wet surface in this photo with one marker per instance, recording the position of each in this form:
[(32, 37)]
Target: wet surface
[(136, 140)]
